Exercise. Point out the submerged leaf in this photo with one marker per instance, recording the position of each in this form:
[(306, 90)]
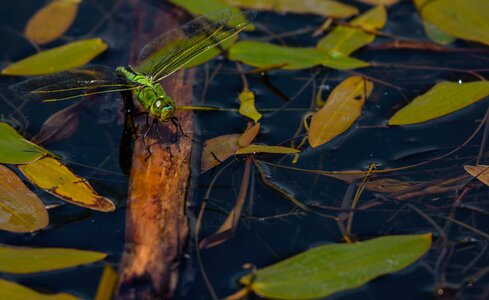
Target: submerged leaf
[(14, 149), (14, 291), (347, 39), (343, 107), (442, 99), (22, 260), (481, 172), (467, 20), (217, 150), (59, 126), (265, 55), (247, 106), (252, 149), (437, 35), (20, 209), (51, 21), (55, 178), (58, 59), (325, 270), (327, 8)]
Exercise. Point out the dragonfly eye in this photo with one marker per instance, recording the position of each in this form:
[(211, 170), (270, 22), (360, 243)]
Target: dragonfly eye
[(163, 108)]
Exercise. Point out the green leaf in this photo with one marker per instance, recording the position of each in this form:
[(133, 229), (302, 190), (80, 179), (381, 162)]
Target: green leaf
[(326, 8), (13, 291), (58, 59), (347, 39), (247, 106), (265, 55), (437, 35), (20, 209), (325, 270), (468, 20), (55, 178), (442, 99), (252, 149), (20, 260), (14, 149)]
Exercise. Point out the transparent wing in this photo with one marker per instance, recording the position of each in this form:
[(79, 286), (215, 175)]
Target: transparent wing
[(172, 50), (74, 83)]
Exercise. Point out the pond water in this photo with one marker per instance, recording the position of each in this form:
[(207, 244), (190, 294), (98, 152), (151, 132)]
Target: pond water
[(272, 228)]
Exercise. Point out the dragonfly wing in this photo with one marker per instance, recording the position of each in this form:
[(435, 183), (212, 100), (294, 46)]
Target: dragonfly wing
[(172, 50), (94, 79)]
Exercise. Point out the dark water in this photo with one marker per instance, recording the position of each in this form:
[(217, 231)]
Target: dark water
[(272, 228)]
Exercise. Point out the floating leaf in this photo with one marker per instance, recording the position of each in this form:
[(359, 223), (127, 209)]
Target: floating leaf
[(247, 106), (13, 291), (325, 270), (379, 2), (347, 39), (14, 149), (343, 107), (265, 55), (107, 284), (59, 126), (20, 209), (58, 59), (327, 8), (437, 35), (468, 20), (21, 260), (51, 21), (480, 172), (442, 99), (55, 178), (217, 150), (251, 149)]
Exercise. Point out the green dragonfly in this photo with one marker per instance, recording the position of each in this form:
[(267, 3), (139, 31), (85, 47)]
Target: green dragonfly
[(158, 59)]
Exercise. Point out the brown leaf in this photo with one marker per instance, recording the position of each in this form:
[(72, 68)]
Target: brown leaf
[(248, 136), (218, 149), (59, 126), (481, 172)]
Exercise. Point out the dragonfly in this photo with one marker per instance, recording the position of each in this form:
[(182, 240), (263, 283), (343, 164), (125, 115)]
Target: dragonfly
[(157, 60)]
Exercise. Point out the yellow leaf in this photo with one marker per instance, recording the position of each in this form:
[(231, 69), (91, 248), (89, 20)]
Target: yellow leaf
[(249, 135), (379, 2), (251, 149), (481, 172), (20, 209), (55, 178), (22, 260), (106, 286), (58, 59), (467, 20), (13, 291), (51, 21), (327, 8), (347, 39), (217, 150), (247, 106), (343, 107), (442, 99)]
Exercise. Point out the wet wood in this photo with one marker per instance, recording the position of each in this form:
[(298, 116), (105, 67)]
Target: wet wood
[(156, 224)]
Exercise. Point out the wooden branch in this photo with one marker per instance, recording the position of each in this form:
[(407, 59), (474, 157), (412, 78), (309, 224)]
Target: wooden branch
[(156, 224)]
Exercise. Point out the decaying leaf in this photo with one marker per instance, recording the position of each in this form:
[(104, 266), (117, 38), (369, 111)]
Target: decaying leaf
[(327, 8), (247, 106), (347, 39), (20, 209), (342, 109), (59, 126), (325, 270), (51, 21), (55, 178), (22, 260), (481, 172), (57, 59), (14, 291), (468, 20), (442, 99), (265, 55), (14, 149)]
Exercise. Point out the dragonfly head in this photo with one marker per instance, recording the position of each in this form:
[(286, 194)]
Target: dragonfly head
[(163, 108)]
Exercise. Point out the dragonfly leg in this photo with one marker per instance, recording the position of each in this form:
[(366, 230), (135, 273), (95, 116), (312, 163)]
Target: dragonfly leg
[(175, 122), (155, 121)]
